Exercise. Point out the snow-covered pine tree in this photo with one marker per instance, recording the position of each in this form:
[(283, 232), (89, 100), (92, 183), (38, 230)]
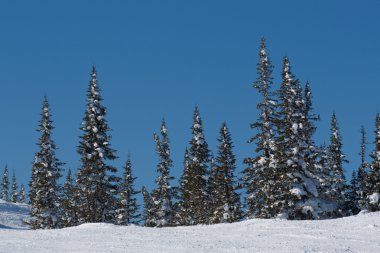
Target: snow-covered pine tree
[(337, 192), (225, 198), (363, 173), (185, 213), (96, 180), (259, 177), (45, 209), (373, 195), (21, 194), (128, 209), (5, 185), (195, 204), (353, 196), (164, 194), (298, 189), (14, 193), (69, 202), (148, 213)]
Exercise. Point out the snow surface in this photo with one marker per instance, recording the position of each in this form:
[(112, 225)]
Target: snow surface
[(359, 233)]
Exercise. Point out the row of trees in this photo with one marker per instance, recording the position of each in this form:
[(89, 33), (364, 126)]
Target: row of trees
[(15, 195), (288, 176)]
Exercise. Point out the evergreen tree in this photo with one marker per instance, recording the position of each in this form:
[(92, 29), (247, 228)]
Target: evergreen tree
[(69, 202), (5, 185), (148, 214), (128, 210), (21, 194), (195, 203), (185, 212), (373, 196), (225, 198), (164, 194), (14, 194), (353, 196), (363, 173), (336, 160), (44, 188), (259, 177), (96, 179)]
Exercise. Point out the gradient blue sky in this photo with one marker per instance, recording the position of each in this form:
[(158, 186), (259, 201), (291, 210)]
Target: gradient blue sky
[(161, 58)]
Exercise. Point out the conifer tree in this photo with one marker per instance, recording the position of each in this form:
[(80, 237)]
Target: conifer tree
[(128, 209), (164, 194), (225, 198), (337, 192), (362, 176), (21, 194), (5, 185), (195, 204), (353, 196), (373, 196), (259, 177), (148, 213), (185, 212), (69, 202), (96, 179), (44, 188), (14, 193)]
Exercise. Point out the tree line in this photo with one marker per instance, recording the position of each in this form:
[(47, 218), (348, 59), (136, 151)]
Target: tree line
[(288, 176)]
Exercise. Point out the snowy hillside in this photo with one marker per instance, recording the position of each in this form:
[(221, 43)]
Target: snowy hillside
[(12, 215), (352, 234)]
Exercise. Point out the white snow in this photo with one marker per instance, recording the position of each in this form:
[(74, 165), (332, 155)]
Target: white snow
[(374, 198), (359, 233)]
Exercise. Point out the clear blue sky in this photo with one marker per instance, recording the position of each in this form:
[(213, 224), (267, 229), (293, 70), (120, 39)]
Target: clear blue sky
[(161, 58)]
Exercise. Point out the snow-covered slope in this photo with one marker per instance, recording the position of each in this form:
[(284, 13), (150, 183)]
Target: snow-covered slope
[(12, 215), (352, 234)]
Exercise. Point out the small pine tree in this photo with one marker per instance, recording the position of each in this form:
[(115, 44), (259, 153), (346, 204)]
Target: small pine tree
[(164, 194), (5, 185), (96, 180), (363, 173), (225, 198), (21, 194), (185, 212), (128, 210), (14, 193), (148, 214), (69, 202), (353, 196), (373, 195), (336, 158), (45, 210)]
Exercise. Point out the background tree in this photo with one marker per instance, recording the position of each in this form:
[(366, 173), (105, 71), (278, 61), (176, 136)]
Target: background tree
[(363, 173), (148, 214), (128, 209), (96, 180), (69, 202), (5, 185), (21, 194), (373, 195), (14, 193), (45, 210)]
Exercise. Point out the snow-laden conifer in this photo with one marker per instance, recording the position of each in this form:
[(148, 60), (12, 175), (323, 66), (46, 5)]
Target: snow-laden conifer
[(353, 195), (363, 171), (163, 195), (259, 177), (96, 179), (14, 193), (45, 209), (225, 199), (128, 210), (148, 213), (5, 185), (69, 202), (21, 194), (373, 195)]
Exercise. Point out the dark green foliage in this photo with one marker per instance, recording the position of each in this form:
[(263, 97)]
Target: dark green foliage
[(5, 185), (374, 175), (14, 193), (69, 202)]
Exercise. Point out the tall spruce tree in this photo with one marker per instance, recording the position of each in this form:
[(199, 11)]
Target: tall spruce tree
[(96, 180), (373, 195), (5, 185), (14, 193), (225, 198), (353, 195), (45, 209), (69, 202), (259, 177), (337, 191), (362, 176), (195, 204), (184, 215), (21, 194), (128, 209), (164, 194)]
